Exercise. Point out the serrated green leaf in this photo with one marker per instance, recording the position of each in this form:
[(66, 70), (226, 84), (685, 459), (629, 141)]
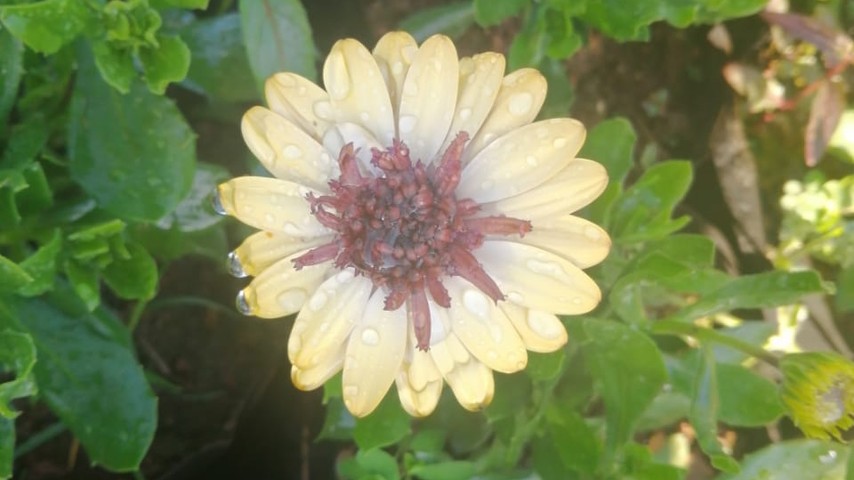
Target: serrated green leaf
[(370, 464), (705, 405), (628, 377), (165, 64), (761, 290), (18, 354), (11, 70), (135, 277), (47, 25), (492, 12), (85, 283), (77, 365), (452, 20), (823, 460), (452, 470), (387, 424), (41, 266), (746, 399), (216, 44), (133, 153), (278, 38), (115, 65), (12, 276)]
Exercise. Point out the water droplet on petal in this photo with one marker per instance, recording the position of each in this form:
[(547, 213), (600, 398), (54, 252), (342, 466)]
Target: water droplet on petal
[(292, 151), (828, 457), (234, 266), (543, 324), (365, 116), (465, 113), (216, 203), (550, 269), (292, 300), (241, 303), (291, 229), (559, 142), (370, 337), (323, 110), (520, 103), (318, 300), (476, 302), (407, 123), (487, 185), (515, 297)]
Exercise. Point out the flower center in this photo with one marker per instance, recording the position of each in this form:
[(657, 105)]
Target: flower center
[(406, 230)]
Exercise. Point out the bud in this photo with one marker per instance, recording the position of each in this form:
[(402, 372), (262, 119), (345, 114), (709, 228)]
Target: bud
[(818, 391)]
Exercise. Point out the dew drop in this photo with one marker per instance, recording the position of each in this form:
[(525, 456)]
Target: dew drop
[(520, 103), (345, 276), (476, 303), (291, 229), (559, 142), (241, 303), (235, 268), (292, 300), (364, 116), (828, 457), (216, 203), (407, 123), (323, 110), (543, 324), (270, 219), (515, 297), (292, 151), (370, 337), (318, 300), (465, 113), (487, 185)]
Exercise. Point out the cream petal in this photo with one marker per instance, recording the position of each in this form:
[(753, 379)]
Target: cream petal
[(521, 160), (286, 150), (262, 249), (357, 91), (374, 356), (538, 279), (578, 240), (363, 141), (472, 384), (418, 403), (480, 81), (518, 102), (294, 97), (314, 377), (569, 190), (394, 53), (327, 318), (428, 98), (270, 204), (484, 329), (540, 331), (280, 289)]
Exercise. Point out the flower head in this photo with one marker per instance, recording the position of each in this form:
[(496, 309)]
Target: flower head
[(418, 221), (818, 391)]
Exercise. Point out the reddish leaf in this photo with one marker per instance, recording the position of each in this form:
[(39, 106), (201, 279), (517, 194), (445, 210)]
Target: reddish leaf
[(825, 112), (833, 43)]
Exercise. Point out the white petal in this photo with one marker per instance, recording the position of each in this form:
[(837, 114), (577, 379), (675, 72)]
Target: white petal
[(484, 329), (569, 190), (521, 160), (281, 290), (472, 384), (316, 376), (394, 53), (286, 150), (363, 141), (541, 331), (357, 91), (418, 403), (294, 98), (374, 355), (480, 80), (578, 240), (428, 98), (262, 249), (326, 320), (519, 101), (270, 204), (538, 279)]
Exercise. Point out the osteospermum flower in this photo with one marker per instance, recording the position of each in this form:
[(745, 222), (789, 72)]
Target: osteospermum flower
[(418, 221), (818, 391)]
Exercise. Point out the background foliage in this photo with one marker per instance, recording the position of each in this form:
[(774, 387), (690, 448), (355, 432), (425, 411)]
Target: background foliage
[(101, 191)]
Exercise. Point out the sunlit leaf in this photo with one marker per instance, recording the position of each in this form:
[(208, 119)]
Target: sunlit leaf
[(705, 405), (41, 266), (822, 459), (18, 355), (746, 399), (47, 25), (165, 64), (134, 277), (452, 19)]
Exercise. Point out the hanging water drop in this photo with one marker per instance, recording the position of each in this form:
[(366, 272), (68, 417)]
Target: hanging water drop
[(235, 268)]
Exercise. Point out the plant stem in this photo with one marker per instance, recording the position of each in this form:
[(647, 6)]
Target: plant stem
[(136, 314), (40, 438), (672, 327)]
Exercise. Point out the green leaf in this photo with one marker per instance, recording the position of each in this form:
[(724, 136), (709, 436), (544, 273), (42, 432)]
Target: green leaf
[(277, 37), (528, 49), (452, 19), (429, 440), (135, 277), (17, 353), (7, 447), (166, 64), (370, 464), (611, 143), (628, 377), (12, 276), (666, 409), (92, 382), (85, 283), (387, 424), (133, 153), (115, 65), (216, 44), (512, 394), (746, 398), (189, 4), (11, 67), (643, 212), (194, 213), (761, 290), (753, 332), (47, 25), (560, 95), (492, 12), (705, 405), (579, 448), (338, 424), (779, 461), (845, 290), (452, 470), (545, 366), (41, 266)]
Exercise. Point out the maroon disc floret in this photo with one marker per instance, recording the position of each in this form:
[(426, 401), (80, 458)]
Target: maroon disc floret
[(403, 227)]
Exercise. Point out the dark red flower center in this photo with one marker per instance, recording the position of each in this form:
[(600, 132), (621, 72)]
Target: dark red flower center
[(406, 230)]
